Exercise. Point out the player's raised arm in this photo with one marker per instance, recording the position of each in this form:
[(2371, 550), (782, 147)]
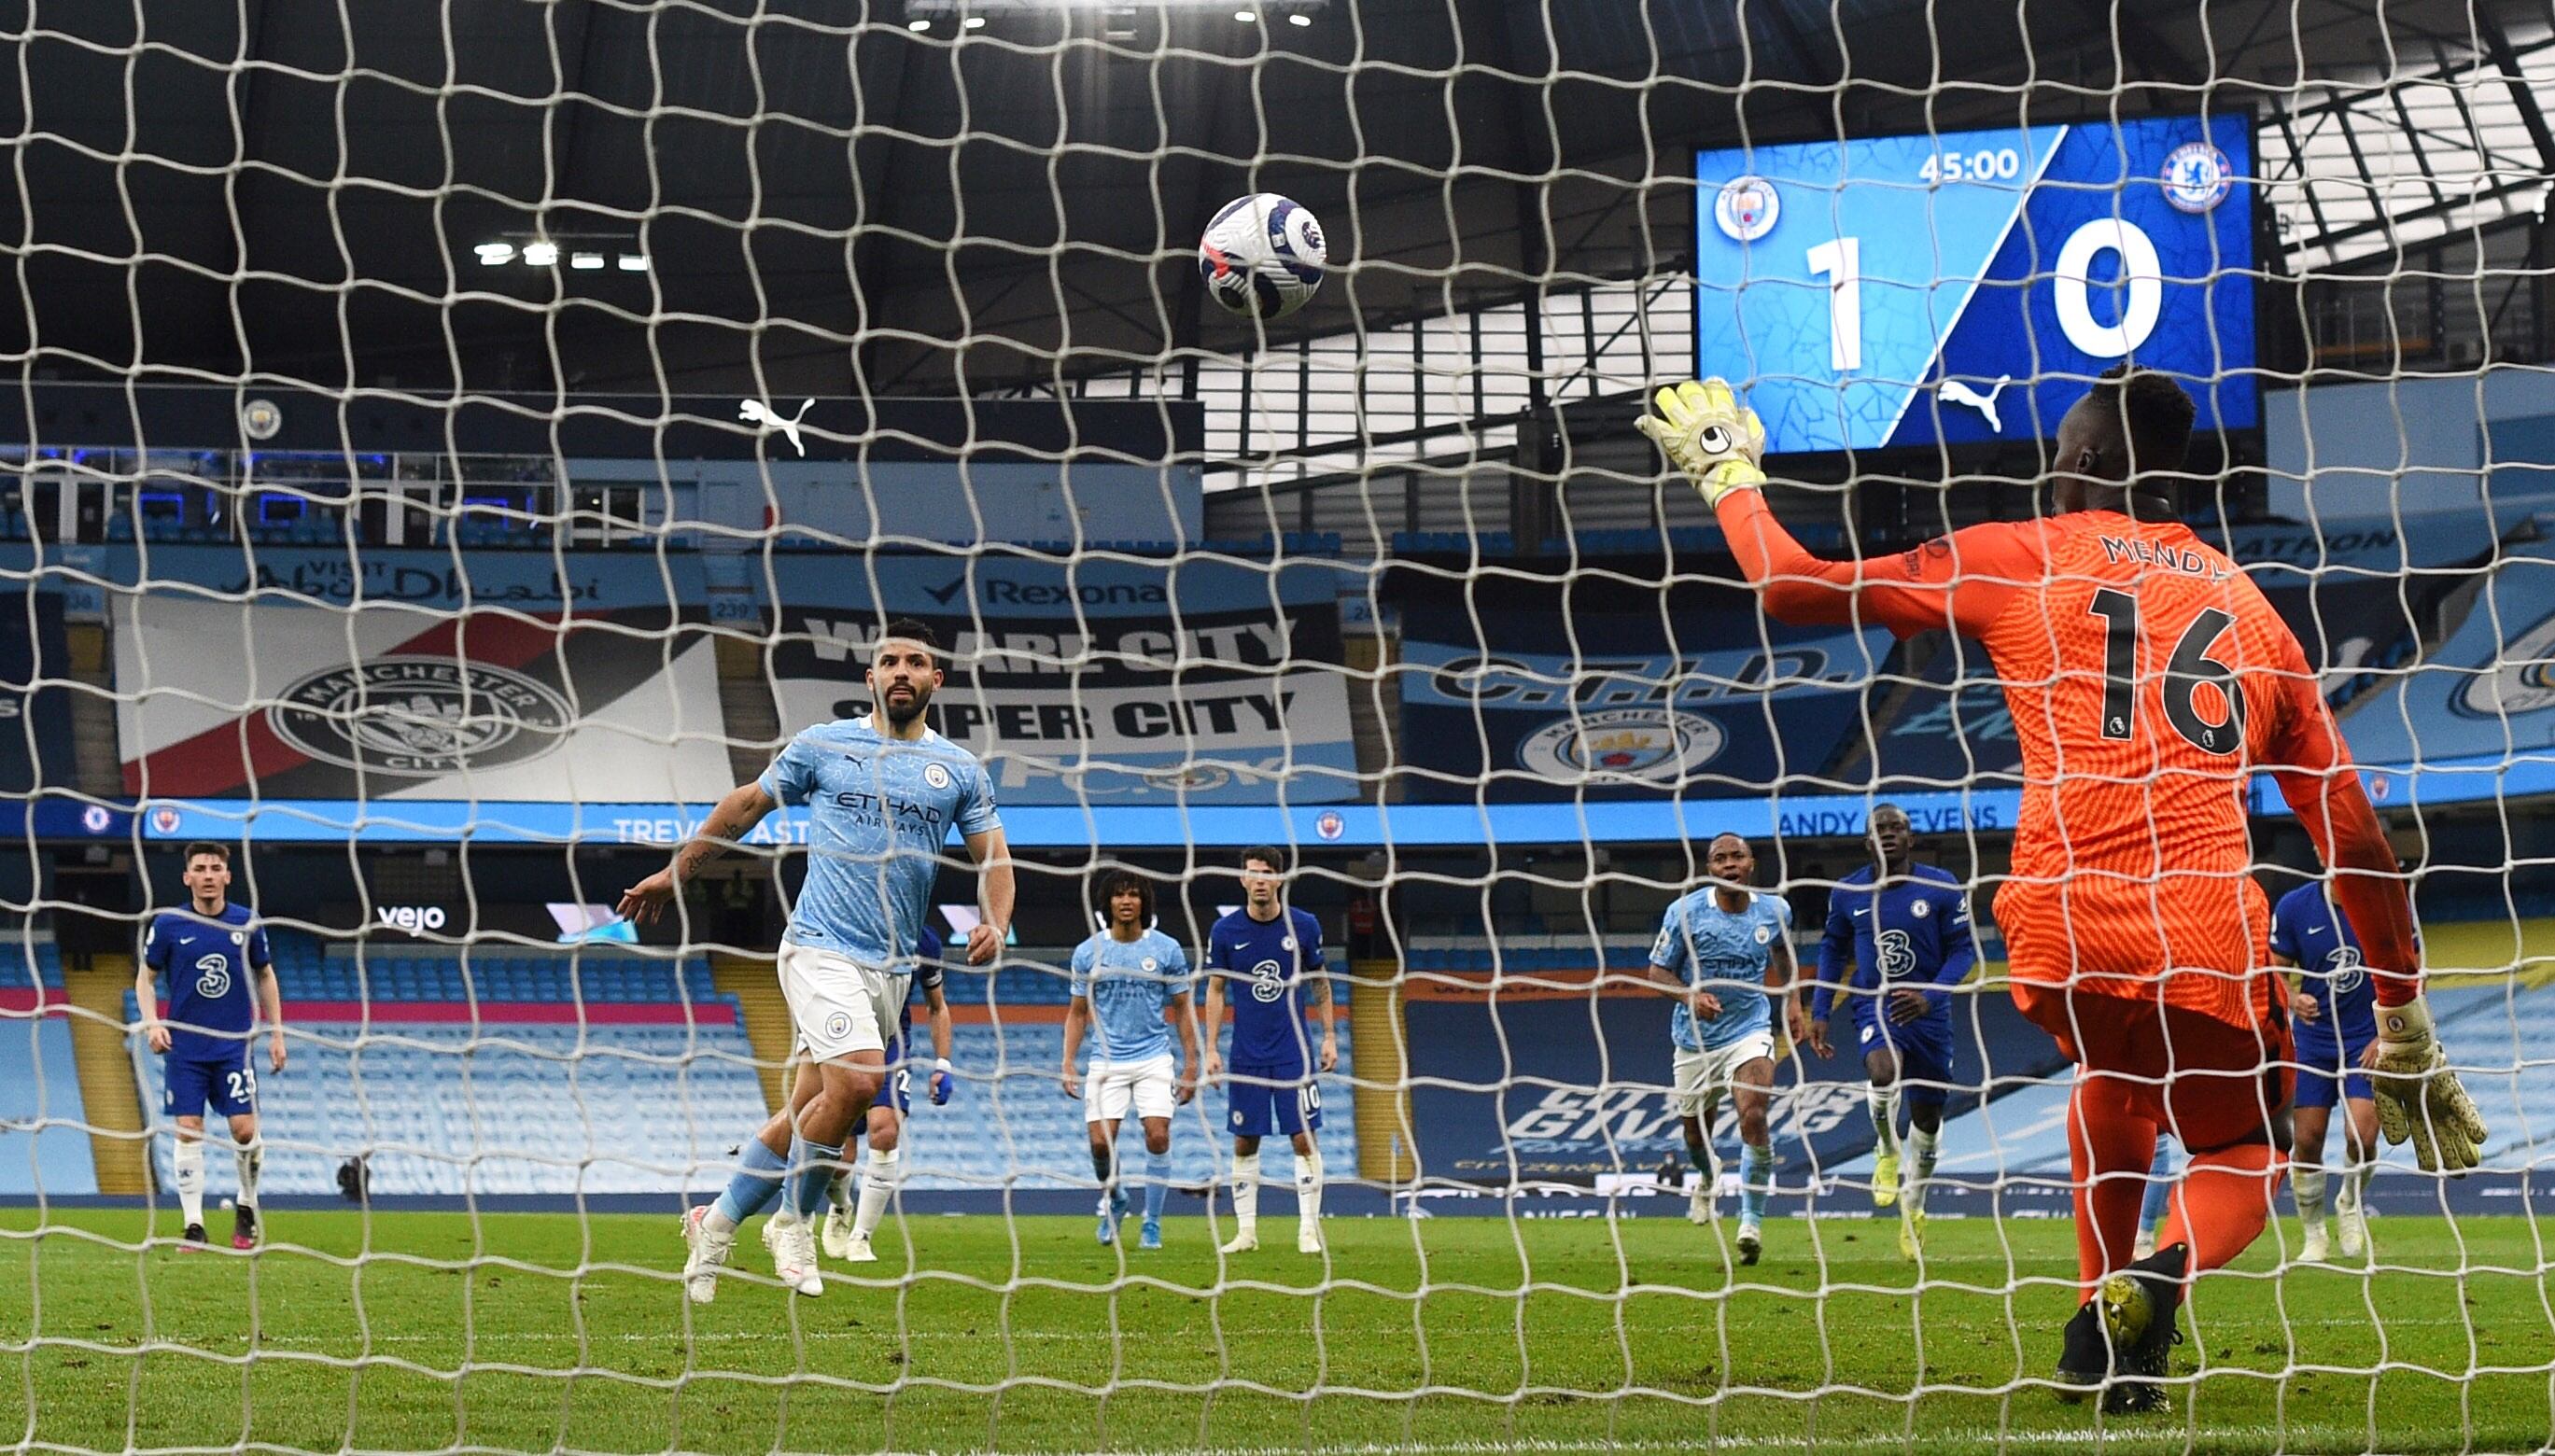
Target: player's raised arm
[(270, 995), (1182, 1009), (1960, 582), (1783, 975), (997, 890), (1318, 970), (1836, 969), (1077, 1016), (735, 816), (2419, 1097), (1960, 945), (1212, 1018), (936, 1005), (145, 986), (2303, 1003), (1667, 973)]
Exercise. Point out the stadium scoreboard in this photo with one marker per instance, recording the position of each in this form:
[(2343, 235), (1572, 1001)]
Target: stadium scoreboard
[(1961, 286)]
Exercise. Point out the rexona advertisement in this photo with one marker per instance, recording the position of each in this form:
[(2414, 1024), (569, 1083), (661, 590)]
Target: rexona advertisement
[(217, 700), (1096, 682), (1969, 285), (1632, 713)]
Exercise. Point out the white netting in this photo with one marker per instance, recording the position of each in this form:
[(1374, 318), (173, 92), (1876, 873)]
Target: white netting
[(458, 443)]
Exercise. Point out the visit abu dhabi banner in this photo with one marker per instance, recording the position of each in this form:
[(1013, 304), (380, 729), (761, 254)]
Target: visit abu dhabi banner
[(1094, 682)]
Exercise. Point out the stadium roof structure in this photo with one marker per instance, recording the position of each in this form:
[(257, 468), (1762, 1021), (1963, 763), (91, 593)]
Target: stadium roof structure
[(814, 196)]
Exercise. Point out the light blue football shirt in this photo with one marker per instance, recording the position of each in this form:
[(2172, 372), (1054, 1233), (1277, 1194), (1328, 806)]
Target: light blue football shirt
[(879, 817), (1726, 953), (1130, 983)]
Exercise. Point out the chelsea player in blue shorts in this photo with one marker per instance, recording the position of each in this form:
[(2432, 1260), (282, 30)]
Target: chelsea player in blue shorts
[(1270, 950), (1127, 980), (211, 953), (850, 1219), (883, 793), (1722, 950), (1897, 940), (2334, 1019)]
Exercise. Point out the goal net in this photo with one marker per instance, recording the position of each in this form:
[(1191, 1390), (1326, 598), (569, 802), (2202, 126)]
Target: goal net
[(459, 446)]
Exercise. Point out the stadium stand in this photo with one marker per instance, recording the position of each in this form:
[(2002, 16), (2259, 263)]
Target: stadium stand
[(613, 1073), (44, 1137)]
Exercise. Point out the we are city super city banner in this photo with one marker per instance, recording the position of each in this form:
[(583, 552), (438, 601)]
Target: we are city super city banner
[(1094, 682)]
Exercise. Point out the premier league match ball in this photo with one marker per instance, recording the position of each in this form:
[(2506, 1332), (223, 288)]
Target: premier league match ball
[(1262, 256)]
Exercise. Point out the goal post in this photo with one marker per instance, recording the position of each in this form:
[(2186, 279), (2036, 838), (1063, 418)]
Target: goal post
[(459, 446)]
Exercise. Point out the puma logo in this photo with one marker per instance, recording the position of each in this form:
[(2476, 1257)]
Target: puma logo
[(1958, 392), (755, 411)]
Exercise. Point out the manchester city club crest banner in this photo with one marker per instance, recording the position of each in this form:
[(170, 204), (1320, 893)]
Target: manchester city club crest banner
[(222, 701), (1639, 709)]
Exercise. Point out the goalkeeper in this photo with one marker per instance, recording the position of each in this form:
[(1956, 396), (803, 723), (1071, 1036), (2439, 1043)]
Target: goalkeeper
[(2148, 681)]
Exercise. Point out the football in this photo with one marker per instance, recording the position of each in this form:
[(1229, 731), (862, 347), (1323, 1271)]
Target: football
[(1262, 256)]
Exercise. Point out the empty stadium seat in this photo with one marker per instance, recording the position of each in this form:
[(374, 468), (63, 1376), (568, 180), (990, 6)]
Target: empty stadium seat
[(519, 1108)]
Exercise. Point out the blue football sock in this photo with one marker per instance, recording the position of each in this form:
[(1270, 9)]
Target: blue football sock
[(756, 1183), (811, 1168), (2160, 1185), (1158, 1182), (1755, 1180)]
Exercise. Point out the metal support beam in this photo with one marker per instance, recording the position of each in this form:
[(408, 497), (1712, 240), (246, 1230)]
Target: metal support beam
[(2497, 48), (879, 103)]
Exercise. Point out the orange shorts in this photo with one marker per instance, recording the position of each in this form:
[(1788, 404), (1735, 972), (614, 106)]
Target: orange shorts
[(2206, 938), (2209, 1083)]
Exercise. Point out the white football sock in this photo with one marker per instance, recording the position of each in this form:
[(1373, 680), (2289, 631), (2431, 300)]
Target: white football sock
[(2309, 1180), (878, 1185), (251, 1157), (1883, 1102), (191, 1179), (1309, 1188), (1922, 1148), (1246, 1191), (838, 1189)]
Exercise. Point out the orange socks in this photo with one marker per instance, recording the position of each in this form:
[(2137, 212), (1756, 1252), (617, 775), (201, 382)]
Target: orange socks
[(2223, 1204)]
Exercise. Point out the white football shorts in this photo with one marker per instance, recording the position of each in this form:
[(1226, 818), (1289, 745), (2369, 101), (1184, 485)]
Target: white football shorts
[(1112, 1086), (1702, 1076), (837, 1004)]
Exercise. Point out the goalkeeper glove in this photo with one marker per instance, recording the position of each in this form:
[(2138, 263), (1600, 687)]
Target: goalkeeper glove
[(1709, 435), (2418, 1096), (943, 1083)]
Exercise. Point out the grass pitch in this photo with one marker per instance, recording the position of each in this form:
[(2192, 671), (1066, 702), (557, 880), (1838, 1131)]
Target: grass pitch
[(539, 1333)]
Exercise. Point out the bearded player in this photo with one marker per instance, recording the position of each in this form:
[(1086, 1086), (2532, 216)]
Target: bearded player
[(883, 793), (851, 1216), (2148, 682), (1897, 940)]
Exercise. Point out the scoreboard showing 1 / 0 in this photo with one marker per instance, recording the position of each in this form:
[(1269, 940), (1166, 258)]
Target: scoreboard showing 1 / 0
[(1969, 285)]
